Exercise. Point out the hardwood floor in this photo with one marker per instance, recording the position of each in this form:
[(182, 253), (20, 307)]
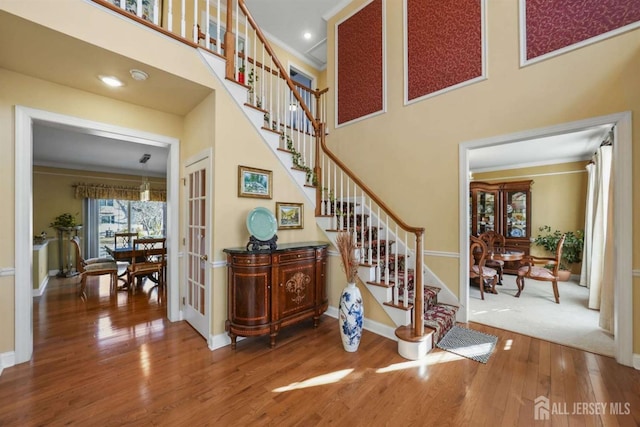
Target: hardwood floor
[(115, 360)]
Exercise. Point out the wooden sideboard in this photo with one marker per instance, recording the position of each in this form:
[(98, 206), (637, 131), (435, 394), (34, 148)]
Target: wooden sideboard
[(270, 289)]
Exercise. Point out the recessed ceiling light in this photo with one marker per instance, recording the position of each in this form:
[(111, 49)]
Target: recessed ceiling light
[(111, 81), (138, 75), (307, 35)]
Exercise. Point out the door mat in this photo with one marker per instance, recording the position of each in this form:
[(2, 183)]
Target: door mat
[(468, 343)]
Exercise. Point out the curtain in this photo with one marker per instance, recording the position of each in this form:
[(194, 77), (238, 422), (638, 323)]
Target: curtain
[(597, 270), (103, 191), (588, 225)]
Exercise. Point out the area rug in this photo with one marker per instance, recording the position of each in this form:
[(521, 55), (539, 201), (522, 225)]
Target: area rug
[(468, 343)]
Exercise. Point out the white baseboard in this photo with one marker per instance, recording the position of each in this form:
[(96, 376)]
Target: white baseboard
[(221, 340), (370, 325), (636, 361), (38, 292), (7, 360)]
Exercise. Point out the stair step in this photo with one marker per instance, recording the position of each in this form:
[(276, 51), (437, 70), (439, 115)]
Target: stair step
[(430, 296), (399, 306), (382, 284), (440, 317)]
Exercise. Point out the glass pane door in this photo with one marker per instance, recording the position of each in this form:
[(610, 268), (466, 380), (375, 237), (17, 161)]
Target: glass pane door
[(516, 213), (486, 208)]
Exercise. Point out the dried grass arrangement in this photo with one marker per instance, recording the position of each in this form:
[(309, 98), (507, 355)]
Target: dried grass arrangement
[(347, 248)]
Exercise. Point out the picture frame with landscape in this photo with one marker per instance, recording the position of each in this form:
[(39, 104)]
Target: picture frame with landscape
[(290, 215), (254, 182)]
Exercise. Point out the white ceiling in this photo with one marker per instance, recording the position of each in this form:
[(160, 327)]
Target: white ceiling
[(285, 22), (74, 148), (563, 148)]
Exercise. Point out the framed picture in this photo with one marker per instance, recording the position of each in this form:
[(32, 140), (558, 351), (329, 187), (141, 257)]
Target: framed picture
[(254, 182), (289, 215)]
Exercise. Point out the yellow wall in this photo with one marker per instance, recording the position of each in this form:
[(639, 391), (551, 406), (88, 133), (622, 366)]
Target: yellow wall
[(418, 144)]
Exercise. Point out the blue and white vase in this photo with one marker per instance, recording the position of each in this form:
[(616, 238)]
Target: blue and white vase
[(350, 316)]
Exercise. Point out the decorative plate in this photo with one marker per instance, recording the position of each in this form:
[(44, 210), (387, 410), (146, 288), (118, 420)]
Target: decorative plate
[(516, 232), (262, 224), (509, 208)]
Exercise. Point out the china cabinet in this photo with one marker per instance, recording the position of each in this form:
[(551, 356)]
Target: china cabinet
[(504, 207)]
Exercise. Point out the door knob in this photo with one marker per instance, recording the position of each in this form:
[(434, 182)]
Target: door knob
[(204, 257)]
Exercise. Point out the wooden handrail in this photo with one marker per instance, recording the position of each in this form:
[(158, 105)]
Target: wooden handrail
[(388, 211)]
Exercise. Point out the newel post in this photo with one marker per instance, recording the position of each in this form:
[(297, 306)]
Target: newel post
[(230, 44)]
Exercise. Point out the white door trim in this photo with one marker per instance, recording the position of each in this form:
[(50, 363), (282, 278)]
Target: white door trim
[(24, 118), (622, 205)]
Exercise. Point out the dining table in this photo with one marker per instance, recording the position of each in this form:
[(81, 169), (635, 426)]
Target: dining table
[(126, 253), (504, 253)]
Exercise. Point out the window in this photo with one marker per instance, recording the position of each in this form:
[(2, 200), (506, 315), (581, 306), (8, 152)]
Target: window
[(109, 216)]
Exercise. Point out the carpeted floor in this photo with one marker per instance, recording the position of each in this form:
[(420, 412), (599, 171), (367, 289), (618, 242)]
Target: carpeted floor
[(536, 314)]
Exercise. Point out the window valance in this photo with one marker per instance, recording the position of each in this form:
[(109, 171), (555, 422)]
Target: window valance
[(103, 191)]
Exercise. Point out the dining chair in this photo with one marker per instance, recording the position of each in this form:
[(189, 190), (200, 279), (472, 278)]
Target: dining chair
[(93, 267), (123, 240), (547, 273), (149, 260), (477, 269), (492, 239)]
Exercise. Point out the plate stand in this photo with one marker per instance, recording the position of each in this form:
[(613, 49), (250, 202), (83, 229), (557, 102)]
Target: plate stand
[(256, 244)]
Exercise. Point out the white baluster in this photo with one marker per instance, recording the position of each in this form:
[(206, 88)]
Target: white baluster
[(370, 224), (386, 250), (218, 41), (395, 269), (183, 19), (406, 271), (195, 21), (378, 241), (237, 41), (207, 30)]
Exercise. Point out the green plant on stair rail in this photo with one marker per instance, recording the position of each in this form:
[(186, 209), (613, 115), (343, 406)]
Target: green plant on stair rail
[(298, 162)]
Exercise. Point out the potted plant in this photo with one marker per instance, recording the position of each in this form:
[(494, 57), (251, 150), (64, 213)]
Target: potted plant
[(64, 221), (241, 74), (571, 250)]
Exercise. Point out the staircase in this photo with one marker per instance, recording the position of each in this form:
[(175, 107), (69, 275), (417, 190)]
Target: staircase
[(291, 120), (387, 262)]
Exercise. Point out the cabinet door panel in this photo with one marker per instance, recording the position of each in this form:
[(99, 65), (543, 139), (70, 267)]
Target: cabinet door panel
[(516, 214), (295, 288), (250, 297)]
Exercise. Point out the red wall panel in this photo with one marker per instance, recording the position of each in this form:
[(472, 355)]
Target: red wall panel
[(555, 24), (444, 44), (360, 64)]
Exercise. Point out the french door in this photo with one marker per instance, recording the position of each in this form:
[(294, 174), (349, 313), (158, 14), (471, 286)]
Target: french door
[(197, 297)]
